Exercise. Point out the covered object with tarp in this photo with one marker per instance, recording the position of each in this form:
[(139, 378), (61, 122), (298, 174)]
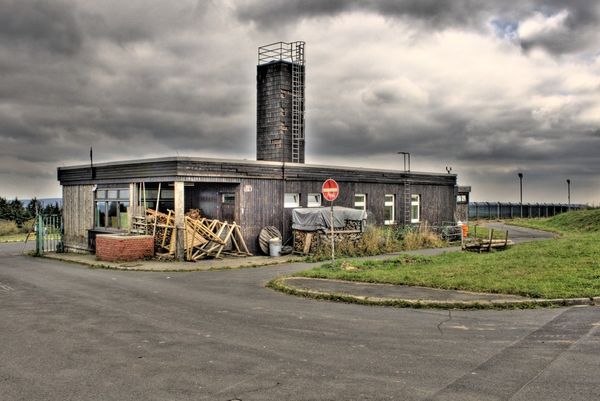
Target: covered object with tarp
[(319, 218), (312, 226)]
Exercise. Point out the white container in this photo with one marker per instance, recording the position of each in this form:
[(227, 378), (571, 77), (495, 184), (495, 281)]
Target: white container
[(275, 247)]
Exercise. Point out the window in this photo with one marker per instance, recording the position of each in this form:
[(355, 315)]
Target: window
[(100, 214), (462, 198), (360, 201), (415, 208), (112, 208), (166, 201), (228, 198), (388, 209), (291, 200), (314, 200)]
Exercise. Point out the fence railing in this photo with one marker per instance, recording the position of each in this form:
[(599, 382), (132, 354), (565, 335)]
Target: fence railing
[(508, 210)]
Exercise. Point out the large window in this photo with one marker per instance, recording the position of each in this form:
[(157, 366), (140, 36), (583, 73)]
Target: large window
[(291, 200), (314, 200), (415, 208), (166, 200), (112, 208), (389, 209), (360, 201)]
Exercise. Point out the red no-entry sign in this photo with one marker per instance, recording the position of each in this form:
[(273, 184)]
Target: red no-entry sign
[(330, 190)]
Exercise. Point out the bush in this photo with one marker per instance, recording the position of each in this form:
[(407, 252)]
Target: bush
[(27, 226), (377, 240), (8, 227), (422, 237)]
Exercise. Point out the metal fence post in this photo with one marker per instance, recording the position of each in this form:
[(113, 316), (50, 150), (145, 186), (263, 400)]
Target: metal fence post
[(39, 236)]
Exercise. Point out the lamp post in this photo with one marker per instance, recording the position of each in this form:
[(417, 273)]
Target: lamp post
[(406, 156), (569, 192), (521, 192)]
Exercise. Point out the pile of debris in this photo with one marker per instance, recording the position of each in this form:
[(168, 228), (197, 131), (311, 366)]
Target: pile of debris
[(203, 237), (312, 226), (475, 244)]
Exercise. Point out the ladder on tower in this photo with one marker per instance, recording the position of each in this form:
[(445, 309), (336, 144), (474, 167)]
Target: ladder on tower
[(407, 203), (297, 100)]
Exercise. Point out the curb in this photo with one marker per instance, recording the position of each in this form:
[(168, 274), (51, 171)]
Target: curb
[(100, 265), (279, 284)]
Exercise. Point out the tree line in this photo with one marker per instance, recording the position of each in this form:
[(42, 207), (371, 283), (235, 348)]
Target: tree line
[(15, 210)]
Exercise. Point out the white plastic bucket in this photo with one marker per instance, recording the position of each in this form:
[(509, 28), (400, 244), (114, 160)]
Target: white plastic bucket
[(275, 247)]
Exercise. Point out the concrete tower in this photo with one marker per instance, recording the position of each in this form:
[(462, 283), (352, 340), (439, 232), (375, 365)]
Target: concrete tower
[(280, 102)]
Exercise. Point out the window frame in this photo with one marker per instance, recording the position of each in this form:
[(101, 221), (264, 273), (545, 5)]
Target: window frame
[(389, 203), (289, 205), (119, 197), (416, 203), (318, 196), (360, 205)]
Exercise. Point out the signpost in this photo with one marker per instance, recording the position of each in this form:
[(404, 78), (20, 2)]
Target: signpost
[(330, 191)]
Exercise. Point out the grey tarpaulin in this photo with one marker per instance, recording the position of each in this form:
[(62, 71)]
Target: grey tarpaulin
[(317, 218)]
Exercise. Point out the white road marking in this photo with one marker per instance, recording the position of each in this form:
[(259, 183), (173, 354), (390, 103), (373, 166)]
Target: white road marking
[(6, 287)]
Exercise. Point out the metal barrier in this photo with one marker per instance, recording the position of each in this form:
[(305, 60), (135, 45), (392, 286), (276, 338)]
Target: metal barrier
[(49, 234), (508, 210)]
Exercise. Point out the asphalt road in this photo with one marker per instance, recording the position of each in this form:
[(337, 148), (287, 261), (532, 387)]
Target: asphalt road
[(73, 333), (520, 234)]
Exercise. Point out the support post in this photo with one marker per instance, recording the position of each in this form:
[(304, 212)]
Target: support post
[(39, 236), (332, 236), (133, 208), (179, 220)]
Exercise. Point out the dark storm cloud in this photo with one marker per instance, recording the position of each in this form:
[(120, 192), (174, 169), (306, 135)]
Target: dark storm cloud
[(271, 13), (580, 25), (146, 78), (43, 25)]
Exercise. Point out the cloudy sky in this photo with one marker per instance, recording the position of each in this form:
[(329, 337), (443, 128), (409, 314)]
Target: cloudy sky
[(490, 88)]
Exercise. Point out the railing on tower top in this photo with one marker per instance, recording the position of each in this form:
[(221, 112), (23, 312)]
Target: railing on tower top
[(292, 52)]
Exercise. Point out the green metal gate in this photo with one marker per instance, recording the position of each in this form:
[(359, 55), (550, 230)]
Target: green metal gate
[(49, 234)]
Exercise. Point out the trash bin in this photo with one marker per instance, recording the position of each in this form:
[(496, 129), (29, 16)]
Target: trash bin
[(275, 247)]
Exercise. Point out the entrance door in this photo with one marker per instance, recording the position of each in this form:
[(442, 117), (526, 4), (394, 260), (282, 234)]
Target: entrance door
[(227, 207)]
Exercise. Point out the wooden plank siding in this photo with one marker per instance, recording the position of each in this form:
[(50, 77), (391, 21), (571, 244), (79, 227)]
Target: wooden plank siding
[(78, 216), (259, 187), (438, 203)]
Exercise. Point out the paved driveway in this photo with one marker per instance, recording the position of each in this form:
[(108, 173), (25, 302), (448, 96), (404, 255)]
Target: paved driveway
[(72, 333), (520, 234)]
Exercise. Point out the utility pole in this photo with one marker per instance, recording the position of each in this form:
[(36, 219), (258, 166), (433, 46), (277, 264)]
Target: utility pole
[(569, 192), (521, 192)]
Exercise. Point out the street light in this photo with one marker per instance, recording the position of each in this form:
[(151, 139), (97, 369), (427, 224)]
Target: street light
[(569, 192), (521, 191), (406, 157)]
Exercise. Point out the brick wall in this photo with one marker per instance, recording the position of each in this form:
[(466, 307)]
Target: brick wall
[(113, 248)]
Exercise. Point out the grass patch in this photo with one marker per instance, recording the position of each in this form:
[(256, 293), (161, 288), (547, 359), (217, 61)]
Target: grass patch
[(566, 267), (16, 238), (482, 232), (576, 222)]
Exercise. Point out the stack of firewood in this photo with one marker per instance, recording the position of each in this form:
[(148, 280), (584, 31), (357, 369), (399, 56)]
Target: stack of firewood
[(307, 242), (203, 238)]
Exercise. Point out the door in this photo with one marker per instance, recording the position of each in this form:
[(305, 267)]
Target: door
[(227, 207)]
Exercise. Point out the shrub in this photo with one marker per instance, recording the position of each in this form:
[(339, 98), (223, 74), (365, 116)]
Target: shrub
[(8, 227), (422, 237), (27, 226), (377, 240)]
